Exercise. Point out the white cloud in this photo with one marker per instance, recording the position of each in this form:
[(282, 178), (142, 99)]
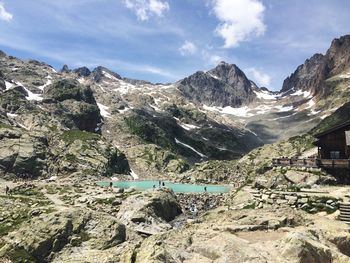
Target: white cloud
[(240, 20), (261, 78), (215, 59), (4, 15), (188, 48), (146, 8), (210, 58)]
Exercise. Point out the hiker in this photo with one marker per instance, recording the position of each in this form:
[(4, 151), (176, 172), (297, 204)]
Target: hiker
[(7, 190), (160, 183), (111, 185), (163, 184), (205, 189)]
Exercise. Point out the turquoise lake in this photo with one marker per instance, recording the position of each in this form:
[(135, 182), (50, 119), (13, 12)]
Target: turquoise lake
[(176, 187)]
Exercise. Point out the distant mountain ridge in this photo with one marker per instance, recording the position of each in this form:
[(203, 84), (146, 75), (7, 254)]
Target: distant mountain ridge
[(157, 129), (311, 75)]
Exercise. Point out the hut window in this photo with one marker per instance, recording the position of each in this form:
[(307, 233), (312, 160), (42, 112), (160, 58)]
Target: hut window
[(335, 154)]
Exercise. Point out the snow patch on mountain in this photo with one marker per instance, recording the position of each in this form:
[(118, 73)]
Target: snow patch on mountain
[(110, 76), (8, 85), (305, 94), (189, 127), (239, 112), (264, 94), (134, 175), (48, 82), (190, 147), (283, 108), (104, 110), (31, 95), (11, 115)]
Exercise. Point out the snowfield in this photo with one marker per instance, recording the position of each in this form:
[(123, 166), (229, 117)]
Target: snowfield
[(263, 94), (104, 110)]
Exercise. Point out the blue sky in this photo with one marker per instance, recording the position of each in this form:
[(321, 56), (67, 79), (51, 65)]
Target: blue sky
[(166, 40)]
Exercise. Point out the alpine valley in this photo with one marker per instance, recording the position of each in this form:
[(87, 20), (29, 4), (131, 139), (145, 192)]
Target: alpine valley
[(63, 131)]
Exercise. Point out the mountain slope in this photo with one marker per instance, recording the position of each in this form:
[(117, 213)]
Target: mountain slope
[(155, 130), (225, 85)]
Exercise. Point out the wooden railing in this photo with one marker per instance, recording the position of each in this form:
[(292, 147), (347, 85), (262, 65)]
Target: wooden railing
[(312, 162), (333, 163)]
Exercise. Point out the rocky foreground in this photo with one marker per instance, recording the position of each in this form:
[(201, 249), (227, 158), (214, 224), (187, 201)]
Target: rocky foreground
[(74, 221)]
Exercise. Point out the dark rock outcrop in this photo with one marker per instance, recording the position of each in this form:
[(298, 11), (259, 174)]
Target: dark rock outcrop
[(85, 116), (82, 72), (150, 209), (69, 89), (77, 105), (65, 69), (22, 154), (225, 85)]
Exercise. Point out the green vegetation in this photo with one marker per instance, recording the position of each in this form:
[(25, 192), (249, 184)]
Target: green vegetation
[(72, 135), (105, 201), (70, 89), (82, 237), (5, 126), (32, 192), (20, 255), (149, 131), (185, 114)]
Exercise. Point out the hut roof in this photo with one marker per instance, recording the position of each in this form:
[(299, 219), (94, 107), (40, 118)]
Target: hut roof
[(332, 129)]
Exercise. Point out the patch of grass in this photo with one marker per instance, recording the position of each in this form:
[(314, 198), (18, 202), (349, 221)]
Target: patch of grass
[(10, 224), (20, 255), (71, 158), (105, 201), (34, 192), (72, 135), (249, 206), (5, 126), (51, 189)]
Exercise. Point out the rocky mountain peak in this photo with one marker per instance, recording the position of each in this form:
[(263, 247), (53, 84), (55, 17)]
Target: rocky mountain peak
[(65, 69), (339, 55), (231, 74), (225, 85), (307, 76), (82, 72), (98, 73)]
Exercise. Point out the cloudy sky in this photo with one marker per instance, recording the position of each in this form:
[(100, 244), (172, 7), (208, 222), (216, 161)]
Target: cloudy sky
[(166, 40)]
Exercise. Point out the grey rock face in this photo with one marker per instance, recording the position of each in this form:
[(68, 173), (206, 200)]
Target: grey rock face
[(21, 153), (159, 205), (2, 82), (97, 73), (308, 76), (77, 104), (225, 85), (82, 72), (85, 116), (69, 89), (311, 75), (45, 235), (136, 81), (14, 99), (65, 69), (339, 55)]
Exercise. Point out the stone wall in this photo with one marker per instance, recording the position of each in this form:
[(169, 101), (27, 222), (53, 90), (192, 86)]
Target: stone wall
[(308, 201)]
